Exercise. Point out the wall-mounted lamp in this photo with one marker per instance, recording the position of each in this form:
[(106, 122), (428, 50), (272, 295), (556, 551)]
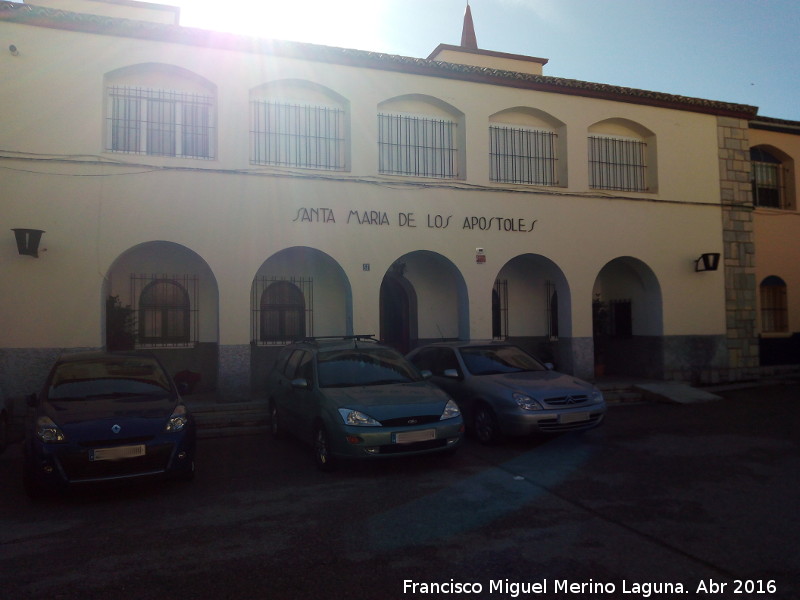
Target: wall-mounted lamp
[(13, 49), (28, 241), (707, 262)]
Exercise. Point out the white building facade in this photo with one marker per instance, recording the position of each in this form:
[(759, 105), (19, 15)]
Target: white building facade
[(211, 197)]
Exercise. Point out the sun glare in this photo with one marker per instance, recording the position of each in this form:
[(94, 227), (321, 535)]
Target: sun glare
[(347, 23)]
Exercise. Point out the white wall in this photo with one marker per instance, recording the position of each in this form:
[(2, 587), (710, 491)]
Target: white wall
[(96, 205)]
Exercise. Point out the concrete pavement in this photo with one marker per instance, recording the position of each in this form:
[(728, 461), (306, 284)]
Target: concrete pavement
[(218, 416)]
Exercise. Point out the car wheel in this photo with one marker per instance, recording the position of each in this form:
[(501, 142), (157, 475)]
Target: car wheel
[(322, 449), (485, 425), (274, 421)]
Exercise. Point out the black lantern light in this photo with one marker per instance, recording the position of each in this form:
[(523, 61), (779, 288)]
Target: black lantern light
[(707, 262), (28, 241)]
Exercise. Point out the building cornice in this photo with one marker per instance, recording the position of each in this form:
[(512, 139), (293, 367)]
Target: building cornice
[(27, 14), (778, 125)]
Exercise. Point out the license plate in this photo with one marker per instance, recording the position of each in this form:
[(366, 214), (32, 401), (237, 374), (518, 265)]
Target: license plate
[(118, 452), (573, 417), (409, 437)]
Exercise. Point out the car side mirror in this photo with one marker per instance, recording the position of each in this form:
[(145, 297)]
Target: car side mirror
[(426, 374), (451, 373), (300, 383), (549, 366)]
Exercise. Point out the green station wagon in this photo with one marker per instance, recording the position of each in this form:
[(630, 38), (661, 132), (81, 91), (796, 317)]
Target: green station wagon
[(352, 397)]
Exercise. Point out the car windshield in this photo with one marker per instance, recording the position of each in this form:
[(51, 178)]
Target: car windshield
[(359, 366), (108, 378), (493, 360)]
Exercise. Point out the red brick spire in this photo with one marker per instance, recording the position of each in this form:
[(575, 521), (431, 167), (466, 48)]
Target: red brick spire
[(468, 39)]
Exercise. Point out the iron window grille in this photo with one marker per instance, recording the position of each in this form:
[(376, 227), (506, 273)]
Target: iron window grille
[(766, 179), (282, 309), (520, 155), (617, 163), (166, 309), (500, 309), (294, 135), (160, 122), (774, 311), (418, 146)]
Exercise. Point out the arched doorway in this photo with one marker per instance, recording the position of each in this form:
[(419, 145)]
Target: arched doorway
[(423, 298), (297, 292), (531, 308), (627, 320), (163, 297), (397, 299)]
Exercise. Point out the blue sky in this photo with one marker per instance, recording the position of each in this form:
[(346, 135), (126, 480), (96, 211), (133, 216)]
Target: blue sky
[(743, 51)]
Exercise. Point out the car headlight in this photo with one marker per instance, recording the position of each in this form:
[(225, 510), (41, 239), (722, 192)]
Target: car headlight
[(597, 396), (178, 420), (526, 402), (451, 411), (355, 417), (48, 431)]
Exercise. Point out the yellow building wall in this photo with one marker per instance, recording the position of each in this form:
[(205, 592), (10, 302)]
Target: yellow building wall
[(95, 205), (777, 232)]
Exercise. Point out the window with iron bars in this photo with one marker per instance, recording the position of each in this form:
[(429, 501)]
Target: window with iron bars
[(166, 309), (519, 155), (766, 179), (774, 312), (419, 146), (160, 122), (294, 135), (282, 309), (617, 163)]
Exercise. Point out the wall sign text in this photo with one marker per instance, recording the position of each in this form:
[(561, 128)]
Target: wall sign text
[(412, 220)]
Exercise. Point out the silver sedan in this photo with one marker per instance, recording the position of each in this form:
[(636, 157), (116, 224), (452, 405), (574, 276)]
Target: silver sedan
[(502, 390)]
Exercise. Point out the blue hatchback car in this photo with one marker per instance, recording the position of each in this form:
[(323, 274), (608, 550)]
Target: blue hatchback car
[(103, 417)]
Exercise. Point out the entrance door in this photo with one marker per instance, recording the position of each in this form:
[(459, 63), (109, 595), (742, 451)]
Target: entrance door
[(395, 314)]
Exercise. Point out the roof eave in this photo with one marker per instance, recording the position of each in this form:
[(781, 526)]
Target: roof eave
[(27, 14)]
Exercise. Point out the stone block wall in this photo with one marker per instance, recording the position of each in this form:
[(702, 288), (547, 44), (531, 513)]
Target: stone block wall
[(738, 258)]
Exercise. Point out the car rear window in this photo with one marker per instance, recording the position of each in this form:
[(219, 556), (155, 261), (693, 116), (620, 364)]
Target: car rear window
[(108, 377), (492, 360), (357, 367)]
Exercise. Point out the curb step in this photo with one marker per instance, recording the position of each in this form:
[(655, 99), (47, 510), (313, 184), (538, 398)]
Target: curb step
[(620, 394), (226, 418), (234, 430)]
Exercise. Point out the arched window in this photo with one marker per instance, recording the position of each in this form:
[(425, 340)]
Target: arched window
[(283, 312), (524, 146), (164, 313), (160, 110), (621, 156), (419, 136), (774, 312), (296, 123), (767, 179)]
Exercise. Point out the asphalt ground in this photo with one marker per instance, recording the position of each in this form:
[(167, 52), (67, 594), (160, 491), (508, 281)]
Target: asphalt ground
[(662, 501)]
